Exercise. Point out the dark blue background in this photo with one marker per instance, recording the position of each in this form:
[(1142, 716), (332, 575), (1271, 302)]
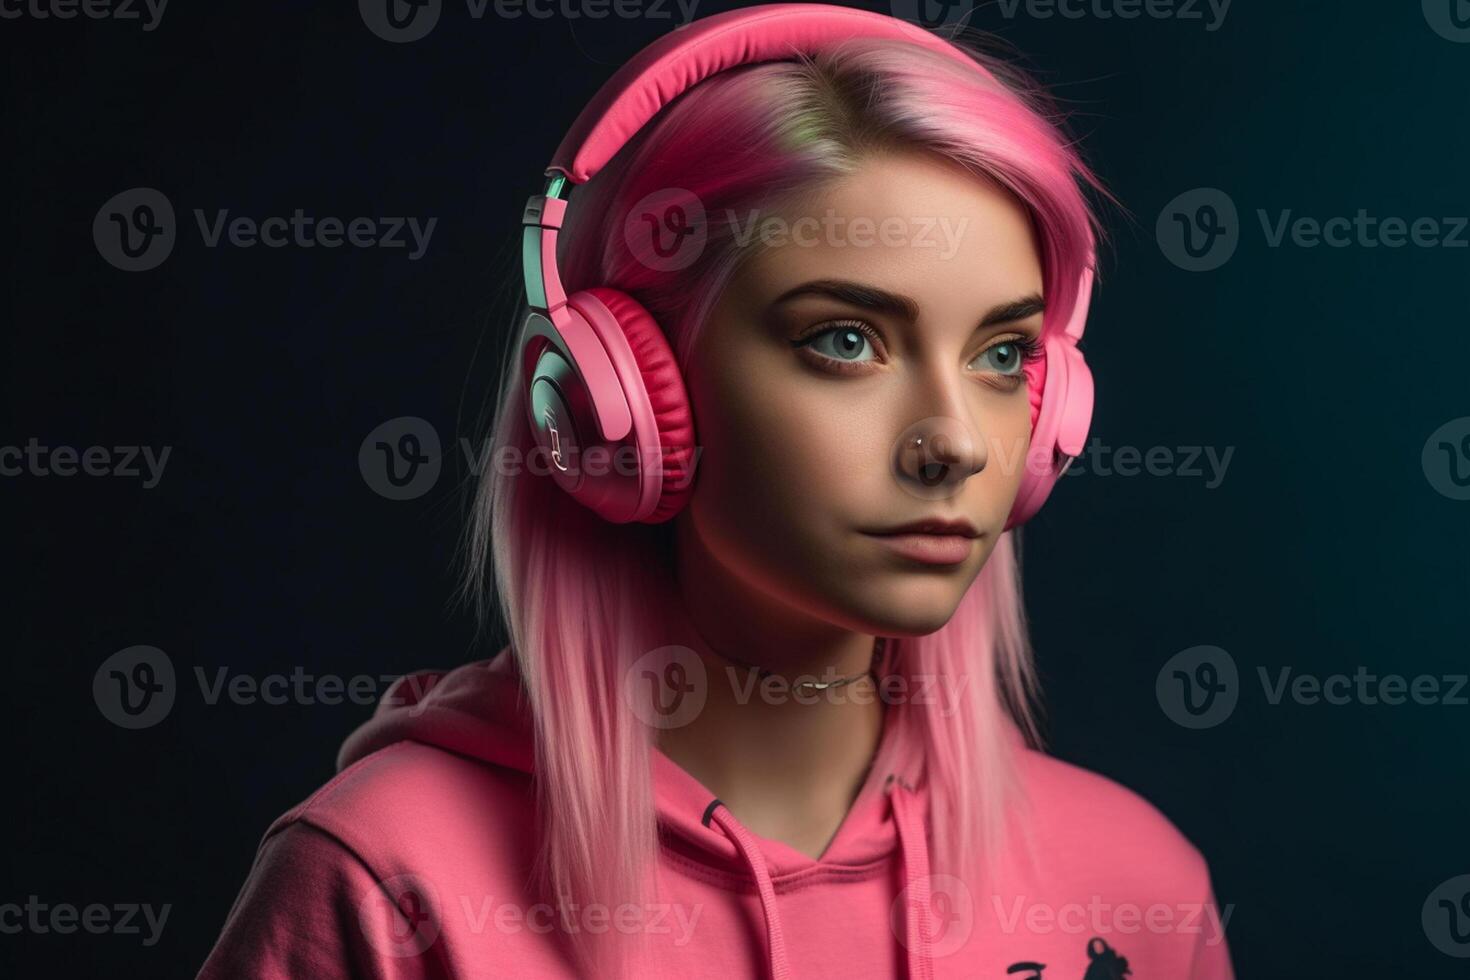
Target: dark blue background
[(1325, 547)]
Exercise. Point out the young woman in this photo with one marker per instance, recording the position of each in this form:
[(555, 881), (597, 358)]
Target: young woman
[(801, 353)]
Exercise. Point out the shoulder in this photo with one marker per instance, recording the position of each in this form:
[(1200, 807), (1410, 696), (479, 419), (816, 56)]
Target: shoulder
[(407, 825), (1105, 833), (411, 807)]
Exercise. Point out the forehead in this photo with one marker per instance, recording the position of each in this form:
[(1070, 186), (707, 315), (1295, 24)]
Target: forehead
[(907, 223)]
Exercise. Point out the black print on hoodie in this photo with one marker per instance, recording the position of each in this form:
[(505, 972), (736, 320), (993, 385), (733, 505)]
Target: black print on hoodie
[(1106, 964)]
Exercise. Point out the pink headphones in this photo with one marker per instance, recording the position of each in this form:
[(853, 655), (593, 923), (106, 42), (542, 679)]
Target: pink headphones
[(605, 399)]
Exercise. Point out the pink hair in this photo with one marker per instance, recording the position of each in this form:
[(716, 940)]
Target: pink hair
[(580, 596)]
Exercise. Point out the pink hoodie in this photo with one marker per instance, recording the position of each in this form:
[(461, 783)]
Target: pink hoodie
[(412, 862)]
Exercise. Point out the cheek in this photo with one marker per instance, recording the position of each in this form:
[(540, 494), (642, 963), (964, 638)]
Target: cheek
[(785, 453), (1005, 426)]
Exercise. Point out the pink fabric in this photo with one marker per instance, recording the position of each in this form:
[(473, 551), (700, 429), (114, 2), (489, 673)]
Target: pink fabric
[(413, 861)]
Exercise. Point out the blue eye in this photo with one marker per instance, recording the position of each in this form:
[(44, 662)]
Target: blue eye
[(1005, 357), (842, 344)]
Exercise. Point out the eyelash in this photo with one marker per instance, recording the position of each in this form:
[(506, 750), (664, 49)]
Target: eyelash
[(1031, 348)]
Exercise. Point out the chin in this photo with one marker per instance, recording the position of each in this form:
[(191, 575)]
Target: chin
[(921, 620), (911, 605)]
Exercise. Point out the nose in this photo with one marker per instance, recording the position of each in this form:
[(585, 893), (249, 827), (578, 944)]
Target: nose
[(936, 455)]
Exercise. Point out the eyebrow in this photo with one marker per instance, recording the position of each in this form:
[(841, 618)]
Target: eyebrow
[(895, 304)]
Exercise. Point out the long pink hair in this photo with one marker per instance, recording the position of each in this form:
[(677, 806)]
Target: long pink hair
[(579, 597)]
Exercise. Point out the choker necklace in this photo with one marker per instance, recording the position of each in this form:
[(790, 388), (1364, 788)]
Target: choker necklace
[(879, 645)]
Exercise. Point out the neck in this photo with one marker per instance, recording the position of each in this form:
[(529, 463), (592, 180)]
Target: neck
[(787, 761)]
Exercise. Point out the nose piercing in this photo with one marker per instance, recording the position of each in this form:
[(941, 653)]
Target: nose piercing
[(931, 474)]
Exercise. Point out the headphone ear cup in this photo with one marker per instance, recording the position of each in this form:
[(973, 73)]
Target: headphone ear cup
[(1035, 386), (656, 396), (1060, 392), (1040, 472)]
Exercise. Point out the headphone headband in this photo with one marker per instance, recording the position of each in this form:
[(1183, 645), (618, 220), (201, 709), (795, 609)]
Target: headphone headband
[(687, 56)]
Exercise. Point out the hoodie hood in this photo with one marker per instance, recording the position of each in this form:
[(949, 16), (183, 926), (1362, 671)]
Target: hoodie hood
[(480, 711)]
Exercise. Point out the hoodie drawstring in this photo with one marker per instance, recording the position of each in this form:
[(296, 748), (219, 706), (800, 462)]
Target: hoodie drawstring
[(914, 846), (914, 842), (775, 942)]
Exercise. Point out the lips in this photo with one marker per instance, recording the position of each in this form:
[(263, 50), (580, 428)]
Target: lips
[(948, 526), (930, 549), (932, 541)]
